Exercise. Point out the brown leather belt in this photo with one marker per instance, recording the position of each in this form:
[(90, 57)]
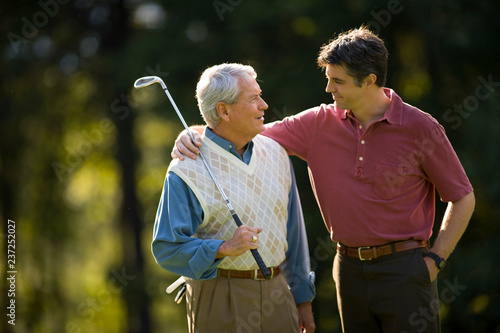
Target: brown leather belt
[(374, 252), (255, 274)]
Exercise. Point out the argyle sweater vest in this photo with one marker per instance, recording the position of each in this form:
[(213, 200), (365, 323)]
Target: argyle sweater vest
[(258, 192)]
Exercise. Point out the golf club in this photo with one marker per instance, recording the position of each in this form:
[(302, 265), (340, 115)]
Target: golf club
[(149, 80)]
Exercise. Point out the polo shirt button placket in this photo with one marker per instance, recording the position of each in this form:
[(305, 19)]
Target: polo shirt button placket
[(359, 168), (361, 158), (361, 152)]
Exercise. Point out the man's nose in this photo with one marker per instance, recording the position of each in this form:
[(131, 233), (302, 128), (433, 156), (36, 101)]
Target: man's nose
[(264, 105), (330, 88)]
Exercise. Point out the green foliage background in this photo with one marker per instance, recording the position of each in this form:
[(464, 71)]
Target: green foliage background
[(83, 155)]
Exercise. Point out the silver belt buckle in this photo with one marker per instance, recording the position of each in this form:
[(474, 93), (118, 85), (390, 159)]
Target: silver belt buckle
[(359, 252)]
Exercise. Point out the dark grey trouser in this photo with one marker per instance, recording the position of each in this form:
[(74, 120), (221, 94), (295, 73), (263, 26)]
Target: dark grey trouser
[(391, 294)]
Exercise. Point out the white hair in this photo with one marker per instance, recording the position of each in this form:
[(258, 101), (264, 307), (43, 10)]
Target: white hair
[(220, 83)]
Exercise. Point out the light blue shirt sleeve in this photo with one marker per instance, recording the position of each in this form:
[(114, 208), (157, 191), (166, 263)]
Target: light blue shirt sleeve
[(177, 219), (297, 266)]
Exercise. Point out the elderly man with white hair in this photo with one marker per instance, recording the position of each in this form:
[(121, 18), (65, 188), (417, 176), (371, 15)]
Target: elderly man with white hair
[(194, 233)]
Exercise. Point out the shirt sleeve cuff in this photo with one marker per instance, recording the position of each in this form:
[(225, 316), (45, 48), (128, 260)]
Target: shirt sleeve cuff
[(305, 290), (205, 265)]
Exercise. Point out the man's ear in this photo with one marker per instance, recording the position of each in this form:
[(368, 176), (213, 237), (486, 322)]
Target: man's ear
[(223, 110), (370, 80)]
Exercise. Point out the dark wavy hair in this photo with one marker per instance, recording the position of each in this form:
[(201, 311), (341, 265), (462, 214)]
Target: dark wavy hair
[(360, 52)]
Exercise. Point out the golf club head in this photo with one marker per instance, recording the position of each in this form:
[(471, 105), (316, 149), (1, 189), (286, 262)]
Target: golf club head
[(148, 80)]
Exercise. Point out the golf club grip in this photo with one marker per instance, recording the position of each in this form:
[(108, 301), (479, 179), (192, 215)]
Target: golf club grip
[(256, 255), (263, 268)]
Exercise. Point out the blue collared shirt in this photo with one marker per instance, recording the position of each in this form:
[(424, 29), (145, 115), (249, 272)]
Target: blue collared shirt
[(180, 214)]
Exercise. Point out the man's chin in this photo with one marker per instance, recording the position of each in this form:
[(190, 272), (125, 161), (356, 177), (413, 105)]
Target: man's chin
[(340, 105)]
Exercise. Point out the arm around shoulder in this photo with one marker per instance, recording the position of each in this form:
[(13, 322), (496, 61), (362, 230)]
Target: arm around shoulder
[(184, 146)]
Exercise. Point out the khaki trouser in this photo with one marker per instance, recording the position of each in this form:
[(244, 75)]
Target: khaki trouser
[(236, 305)]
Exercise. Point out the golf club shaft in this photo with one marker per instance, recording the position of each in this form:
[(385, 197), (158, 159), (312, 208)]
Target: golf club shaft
[(265, 271)]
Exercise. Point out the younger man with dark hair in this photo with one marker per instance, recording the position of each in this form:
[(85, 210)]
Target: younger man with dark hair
[(375, 163)]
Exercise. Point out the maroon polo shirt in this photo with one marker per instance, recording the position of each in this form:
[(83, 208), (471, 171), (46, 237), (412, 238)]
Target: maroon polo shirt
[(374, 185)]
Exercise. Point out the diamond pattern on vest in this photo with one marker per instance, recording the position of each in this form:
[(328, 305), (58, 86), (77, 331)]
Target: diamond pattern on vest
[(258, 192)]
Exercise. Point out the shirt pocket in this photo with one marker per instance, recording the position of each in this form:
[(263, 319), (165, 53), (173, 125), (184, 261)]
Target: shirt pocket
[(388, 181)]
